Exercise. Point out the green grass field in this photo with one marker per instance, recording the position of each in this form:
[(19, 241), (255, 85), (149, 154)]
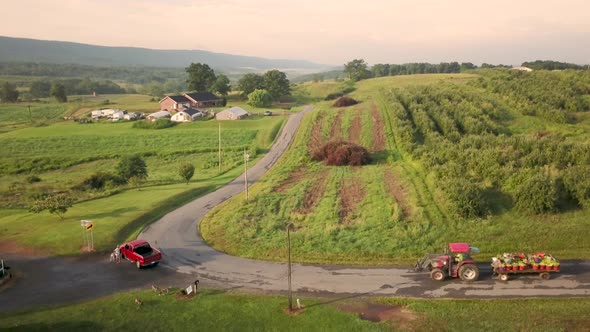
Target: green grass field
[(388, 212), (219, 310), (64, 153)]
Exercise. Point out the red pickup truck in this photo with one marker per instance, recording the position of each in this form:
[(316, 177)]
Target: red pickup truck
[(140, 252)]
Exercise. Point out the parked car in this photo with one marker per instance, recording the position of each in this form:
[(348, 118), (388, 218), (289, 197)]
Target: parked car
[(141, 253), (267, 113)]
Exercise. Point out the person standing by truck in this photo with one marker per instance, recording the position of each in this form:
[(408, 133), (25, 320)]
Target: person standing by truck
[(117, 253)]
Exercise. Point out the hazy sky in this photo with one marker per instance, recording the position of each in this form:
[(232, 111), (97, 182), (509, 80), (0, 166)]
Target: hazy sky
[(324, 31)]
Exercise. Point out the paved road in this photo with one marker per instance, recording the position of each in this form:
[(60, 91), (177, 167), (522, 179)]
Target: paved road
[(186, 252)]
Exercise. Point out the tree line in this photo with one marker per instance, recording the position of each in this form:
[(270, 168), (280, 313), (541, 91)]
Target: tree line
[(136, 75), (554, 96)]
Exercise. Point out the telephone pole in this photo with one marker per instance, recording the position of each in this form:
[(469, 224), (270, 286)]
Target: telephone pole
[(246, 157), (289, 265), (219, 149)]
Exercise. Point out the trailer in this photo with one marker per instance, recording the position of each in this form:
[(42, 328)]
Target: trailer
[(518, 263), (504, 274)]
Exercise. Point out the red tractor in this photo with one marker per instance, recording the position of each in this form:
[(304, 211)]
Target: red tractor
[(456, 262)]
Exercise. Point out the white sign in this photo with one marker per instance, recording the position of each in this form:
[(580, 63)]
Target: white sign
[(189, 289), (84, 223)]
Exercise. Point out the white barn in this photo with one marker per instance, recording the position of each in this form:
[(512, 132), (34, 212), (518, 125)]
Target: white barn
[(187, 115), (159, 115), (234, 113)]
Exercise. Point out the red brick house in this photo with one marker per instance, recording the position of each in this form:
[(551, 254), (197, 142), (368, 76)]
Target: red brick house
[(190, 100)]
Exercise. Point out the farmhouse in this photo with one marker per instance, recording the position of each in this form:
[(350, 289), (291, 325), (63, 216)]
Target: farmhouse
[(187, 115), (234, 113), (188, 100), (159, 115)]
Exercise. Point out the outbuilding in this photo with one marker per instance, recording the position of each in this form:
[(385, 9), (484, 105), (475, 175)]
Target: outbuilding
[(234, 113), (187, 115), (159, 115)]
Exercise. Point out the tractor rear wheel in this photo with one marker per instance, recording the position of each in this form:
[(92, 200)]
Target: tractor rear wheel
[(438, 275), (468, 272)]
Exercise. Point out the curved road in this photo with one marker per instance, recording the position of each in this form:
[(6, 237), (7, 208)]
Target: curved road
[(186, 252)]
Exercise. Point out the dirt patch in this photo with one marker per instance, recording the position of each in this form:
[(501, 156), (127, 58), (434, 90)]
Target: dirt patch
[(355, 128), (316, 133), (399, 317), (336, 130), (351, 194), (294, 312), (295, 177), (314, 192), (398, 191), (184, 296), (11, 247), (378, 129)]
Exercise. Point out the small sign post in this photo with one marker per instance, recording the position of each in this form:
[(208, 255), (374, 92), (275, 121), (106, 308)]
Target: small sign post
[(87, 227)]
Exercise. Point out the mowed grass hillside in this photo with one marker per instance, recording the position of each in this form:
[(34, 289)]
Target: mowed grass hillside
[(63, 154), (427, 184), (218, 310)]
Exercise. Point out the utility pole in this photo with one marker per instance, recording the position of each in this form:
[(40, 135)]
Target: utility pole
[(289, 265), (246, 157), (219, 149), (30, 114)]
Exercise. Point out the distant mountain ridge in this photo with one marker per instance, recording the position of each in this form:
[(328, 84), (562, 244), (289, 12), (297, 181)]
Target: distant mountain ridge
[(45, 51)]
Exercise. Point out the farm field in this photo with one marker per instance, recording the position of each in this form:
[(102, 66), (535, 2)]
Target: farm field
[(453, 157), (215, 309), (62, 154)]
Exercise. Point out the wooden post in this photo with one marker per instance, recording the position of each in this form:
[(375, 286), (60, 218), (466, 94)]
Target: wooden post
[(219, 149), (289, 266)]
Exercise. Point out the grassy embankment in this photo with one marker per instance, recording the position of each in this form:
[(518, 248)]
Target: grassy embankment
[(65, 153), (385, 213), (214, 310)]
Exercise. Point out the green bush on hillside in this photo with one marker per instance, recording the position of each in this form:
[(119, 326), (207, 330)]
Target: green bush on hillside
[(158, 124)]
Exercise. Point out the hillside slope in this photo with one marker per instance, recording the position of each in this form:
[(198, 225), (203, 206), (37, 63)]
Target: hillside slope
[(32, 50)]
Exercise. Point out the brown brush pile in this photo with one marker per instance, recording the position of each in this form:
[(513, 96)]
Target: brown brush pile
[(345, 101), (341, 153)]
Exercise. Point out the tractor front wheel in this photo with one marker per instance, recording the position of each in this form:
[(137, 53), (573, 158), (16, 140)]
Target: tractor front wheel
[(468, 272), (438, 275)]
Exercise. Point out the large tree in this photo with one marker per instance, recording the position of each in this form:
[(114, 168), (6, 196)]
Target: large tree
[(55, 203), (250, 82), (40, 89), (132, 166), (8, 93), (277, 84), (200, 77), (221, 85), (357, 70), (58, 91), (259, 98)]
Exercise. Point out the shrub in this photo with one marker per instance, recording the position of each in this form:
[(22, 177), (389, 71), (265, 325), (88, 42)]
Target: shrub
[(158, 124), (340, 153), (33, 179), (537, 194), (577, 182), (465, 198), (259, 98), (345, 101), (98, 181), (334, 95)]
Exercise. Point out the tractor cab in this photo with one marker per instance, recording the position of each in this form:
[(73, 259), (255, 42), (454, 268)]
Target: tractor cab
[(455, 262)]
